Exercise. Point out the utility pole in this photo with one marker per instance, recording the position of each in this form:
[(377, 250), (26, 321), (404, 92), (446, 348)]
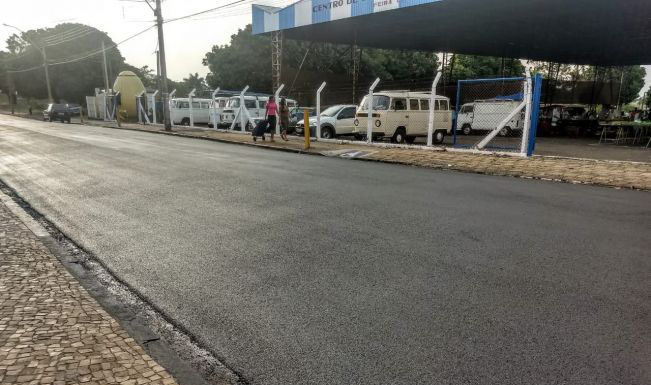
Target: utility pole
[(47, 76), (157, 69), (106, 80), (42, 49), (163, 66)]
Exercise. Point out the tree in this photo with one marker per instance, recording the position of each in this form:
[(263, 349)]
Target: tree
[(247, 61), (633, 80), (194, 81), (633, 76), (474, 67), (69, 81)]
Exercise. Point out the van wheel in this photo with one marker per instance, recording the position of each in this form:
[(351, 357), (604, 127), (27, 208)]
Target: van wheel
[(466, 129), (505, 131), (439, 136), (185, 121), (399, 136), (327, 133)]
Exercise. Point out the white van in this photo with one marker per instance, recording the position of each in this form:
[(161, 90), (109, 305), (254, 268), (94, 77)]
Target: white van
[(180, 111), (255, 105), (403, 116), (486, 115)]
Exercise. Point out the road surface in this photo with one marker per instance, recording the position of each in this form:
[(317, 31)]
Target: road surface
[(300, 269)]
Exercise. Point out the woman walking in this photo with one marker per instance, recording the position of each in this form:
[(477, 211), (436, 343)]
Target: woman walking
[(284, 119), (270, 115)]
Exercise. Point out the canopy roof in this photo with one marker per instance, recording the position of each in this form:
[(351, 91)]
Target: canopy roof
[(597, 32)]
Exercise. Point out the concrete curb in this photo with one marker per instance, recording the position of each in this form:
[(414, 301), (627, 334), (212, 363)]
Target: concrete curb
[(405, 163), (135, 324), (18, 211)]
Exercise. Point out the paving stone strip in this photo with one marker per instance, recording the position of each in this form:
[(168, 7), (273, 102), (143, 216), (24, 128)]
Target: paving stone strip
[(51, 330), (619, 174)]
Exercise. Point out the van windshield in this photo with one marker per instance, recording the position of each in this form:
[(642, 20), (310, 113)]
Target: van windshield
[(380, 102), (234, 103)]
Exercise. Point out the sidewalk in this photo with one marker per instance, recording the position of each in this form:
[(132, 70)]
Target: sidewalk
[(51, 330), (609, 173), (619, 174)]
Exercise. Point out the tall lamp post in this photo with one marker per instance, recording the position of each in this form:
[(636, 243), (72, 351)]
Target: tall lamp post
[(43, 54)]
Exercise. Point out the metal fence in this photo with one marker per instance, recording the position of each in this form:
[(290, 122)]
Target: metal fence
[(490, 114), (494, 115)]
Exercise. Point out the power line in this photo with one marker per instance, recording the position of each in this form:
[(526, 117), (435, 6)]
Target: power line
[(97, 52), (206, 11), (85, 55), (26, 70), (65, 35), (72, 38)]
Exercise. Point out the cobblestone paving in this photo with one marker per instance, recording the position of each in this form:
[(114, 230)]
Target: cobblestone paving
[(51, 330), (606, 173)]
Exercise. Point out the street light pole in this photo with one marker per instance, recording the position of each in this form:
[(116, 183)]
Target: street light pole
[(163, 66), (47, 76), (45, 66)]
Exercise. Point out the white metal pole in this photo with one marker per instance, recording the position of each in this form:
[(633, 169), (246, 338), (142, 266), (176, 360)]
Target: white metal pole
[(241, 109), (527, 115), (190, 97), (318, 111), (169, 104), (153, 97), (139, 108), (369, 119), (432, 100), (213, 110), (276, 96)]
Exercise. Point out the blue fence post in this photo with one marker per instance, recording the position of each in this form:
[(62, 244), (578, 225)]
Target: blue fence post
[(535, 109), (456, 114)]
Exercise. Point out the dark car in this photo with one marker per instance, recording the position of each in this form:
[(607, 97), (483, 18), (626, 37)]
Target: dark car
[(59, 112), (75, 109)]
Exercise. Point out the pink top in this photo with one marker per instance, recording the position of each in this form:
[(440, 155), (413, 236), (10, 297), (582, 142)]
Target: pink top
[(272, 108)]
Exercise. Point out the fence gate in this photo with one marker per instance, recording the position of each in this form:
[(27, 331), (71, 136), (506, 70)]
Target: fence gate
[(491, 114)]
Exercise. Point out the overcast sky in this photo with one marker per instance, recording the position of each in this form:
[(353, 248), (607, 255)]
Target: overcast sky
[(186, 41)]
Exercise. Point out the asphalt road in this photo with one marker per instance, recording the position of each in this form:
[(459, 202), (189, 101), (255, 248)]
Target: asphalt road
[(300, 269)]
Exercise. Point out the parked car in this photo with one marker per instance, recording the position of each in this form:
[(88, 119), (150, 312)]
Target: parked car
[(216, 108), (75, 109), (180, 111), (59, 112), (335, 120), (296, 114), (486, 115), (403, 116)]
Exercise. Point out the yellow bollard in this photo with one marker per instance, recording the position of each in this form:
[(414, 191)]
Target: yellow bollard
[(306, 130)]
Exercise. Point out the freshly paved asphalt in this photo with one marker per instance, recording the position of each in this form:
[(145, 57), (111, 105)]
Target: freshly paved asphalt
[(299, 269)]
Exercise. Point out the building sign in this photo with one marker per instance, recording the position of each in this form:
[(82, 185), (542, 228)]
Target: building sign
[(378, 5)]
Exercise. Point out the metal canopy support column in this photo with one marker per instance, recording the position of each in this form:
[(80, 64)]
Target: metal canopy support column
[(356, 53), (276, 58)]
